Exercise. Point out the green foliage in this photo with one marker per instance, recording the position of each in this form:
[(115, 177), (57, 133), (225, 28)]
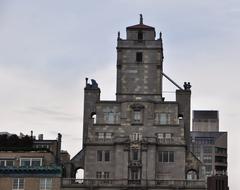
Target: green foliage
[(7, 141)]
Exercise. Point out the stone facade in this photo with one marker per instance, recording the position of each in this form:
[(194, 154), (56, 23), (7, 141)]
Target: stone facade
[(140, 140)]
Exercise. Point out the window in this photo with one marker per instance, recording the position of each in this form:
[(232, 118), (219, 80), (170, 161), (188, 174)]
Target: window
[(108, 136), (103, 155), (171, 157), (98, 175), (140, 35), (5, 163), (136, 137), (27, 162), (135, 154), (134, 174), (42, 146), (104, 136), (45, 183), (100, 135), (99, 155), (160, 136), (18, 183), (204, 140), (106, 175), (168, 135), (107, 156), (36, 162), (207, 149), (164, 137), (207, 159), (220, 150), (166, 156), (208, 168), (137, 113), (111, 117), (137, 116), (162, 118), (139, 56)]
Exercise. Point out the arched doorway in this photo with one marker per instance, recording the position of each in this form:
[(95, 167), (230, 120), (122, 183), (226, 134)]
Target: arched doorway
[(79, 175), (192, 175)]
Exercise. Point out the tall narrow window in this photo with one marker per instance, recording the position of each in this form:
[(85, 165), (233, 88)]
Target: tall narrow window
[(135, 154), (171, 156), (98, 175), (163, 118), (139, 56), (18, 184), (166, 156), (106, 175), (140, 35), (137, 116), (45, 183), (99, 155), (107, 156), (134, 174)]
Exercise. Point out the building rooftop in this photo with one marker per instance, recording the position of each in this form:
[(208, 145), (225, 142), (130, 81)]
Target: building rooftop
[(140, 25), (205, 114)]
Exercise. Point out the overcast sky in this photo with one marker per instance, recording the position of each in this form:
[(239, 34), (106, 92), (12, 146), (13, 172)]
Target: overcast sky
[(47, 48)]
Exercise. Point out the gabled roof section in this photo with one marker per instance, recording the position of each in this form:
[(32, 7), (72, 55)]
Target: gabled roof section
[(140, 25)]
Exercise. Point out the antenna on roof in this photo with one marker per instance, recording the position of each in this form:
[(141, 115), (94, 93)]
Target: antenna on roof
[(141, 19)]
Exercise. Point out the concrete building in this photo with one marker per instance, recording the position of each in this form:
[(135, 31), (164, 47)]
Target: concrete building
[(27, 163), (209, 144), (139, 140), (205, 121)]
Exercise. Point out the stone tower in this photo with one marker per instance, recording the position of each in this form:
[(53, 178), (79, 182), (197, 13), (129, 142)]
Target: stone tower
[(140, 139), (139, 64)]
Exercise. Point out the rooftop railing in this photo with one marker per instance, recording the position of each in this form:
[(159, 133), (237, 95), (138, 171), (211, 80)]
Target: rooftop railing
[(67, 182)]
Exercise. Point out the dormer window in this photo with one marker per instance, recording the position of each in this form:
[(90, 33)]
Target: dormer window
[(140, 35), (30, 162), (139, 56)]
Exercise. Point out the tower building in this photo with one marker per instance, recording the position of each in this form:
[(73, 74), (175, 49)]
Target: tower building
[(139, 140), (208, 143)]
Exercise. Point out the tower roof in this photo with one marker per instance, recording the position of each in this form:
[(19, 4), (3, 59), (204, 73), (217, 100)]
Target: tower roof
[(140, 25)]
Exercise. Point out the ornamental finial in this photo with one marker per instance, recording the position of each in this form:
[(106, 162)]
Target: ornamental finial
[(141, 19)]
